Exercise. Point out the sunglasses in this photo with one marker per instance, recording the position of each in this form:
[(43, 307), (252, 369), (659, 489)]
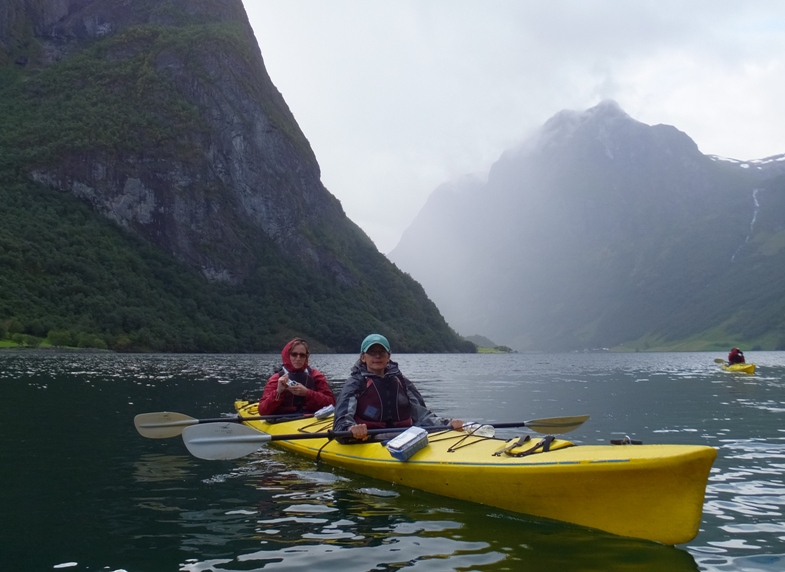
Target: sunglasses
[(297, 354), (377, 353)]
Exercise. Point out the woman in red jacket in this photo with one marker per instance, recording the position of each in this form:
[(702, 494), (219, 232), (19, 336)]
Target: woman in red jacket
[(735, 356), (295, 387)]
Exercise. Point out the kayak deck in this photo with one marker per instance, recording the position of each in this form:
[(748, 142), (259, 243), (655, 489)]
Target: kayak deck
[(654, 492), (739, 367)]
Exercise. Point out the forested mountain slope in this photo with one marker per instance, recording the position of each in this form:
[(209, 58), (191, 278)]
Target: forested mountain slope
[(157, 193), (602, 231)]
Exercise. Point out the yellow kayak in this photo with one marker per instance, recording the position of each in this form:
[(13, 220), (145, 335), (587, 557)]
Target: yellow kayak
[(654, 492), (739, 367)]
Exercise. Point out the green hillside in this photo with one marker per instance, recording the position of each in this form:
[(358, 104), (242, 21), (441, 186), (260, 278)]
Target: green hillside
[(138, 104), (64, 268)]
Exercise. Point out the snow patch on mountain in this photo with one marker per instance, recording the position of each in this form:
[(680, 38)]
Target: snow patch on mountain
[(751, 163)]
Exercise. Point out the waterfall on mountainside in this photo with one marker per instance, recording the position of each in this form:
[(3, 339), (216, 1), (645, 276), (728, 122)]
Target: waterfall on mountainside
[(752, 223)]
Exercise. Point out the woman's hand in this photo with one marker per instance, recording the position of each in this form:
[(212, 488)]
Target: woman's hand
[(456, 424), (282, 381), (297, 389), (359, 432)]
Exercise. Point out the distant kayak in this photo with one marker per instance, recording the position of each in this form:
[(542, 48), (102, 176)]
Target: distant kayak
[(739, 367)]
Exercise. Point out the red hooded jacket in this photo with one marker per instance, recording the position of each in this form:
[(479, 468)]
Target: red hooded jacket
[(736, 356), (319, 393)]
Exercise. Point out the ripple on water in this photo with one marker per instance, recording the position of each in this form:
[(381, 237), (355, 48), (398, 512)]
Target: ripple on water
[(310, 508), (373, 491), (756, 563), (747, 528), (414, 553)]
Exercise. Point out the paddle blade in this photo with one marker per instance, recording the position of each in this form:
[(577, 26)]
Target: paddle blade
[(214, 441), (719, 360), (162, 425), (556, 425)]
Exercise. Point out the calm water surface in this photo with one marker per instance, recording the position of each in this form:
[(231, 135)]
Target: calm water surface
[(81, 490)]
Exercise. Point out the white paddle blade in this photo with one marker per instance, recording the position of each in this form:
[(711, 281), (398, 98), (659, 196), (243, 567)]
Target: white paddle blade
[(214, 441), (162, 425), (557, 425)]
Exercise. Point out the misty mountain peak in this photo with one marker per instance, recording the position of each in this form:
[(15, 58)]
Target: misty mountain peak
[(569, 124), (568, 121), (604, 132)]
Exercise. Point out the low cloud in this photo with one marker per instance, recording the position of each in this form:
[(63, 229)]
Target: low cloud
[(397, 97)]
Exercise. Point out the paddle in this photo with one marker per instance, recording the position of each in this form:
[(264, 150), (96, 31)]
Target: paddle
[(555, 425), (165, 424), (229, 441), (719, 360)]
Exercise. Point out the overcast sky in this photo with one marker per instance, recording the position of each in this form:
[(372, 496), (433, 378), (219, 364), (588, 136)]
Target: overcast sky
[(397, 97)]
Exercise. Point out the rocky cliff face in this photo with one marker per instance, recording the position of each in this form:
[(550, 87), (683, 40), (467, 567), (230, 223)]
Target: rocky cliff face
[(161, 116), (245, 177), (43, 31)]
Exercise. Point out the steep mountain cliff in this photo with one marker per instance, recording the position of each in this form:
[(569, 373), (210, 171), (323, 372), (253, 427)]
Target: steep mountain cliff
[(601, 231), (160, 115)]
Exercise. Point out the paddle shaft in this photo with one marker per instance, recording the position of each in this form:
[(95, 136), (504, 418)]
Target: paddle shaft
[(236, 419), (259, 437), (167, 424), (265, 437), (240, 419), (215, 441), (554, 423), (334, 434)]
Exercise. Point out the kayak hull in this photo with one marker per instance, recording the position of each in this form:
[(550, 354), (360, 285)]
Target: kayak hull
[(739, 367), (654, 492)]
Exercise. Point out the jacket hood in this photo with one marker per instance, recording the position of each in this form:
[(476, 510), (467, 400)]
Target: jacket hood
[(287, 361)]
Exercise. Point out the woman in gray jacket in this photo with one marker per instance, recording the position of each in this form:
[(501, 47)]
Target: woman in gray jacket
[(377, 395)]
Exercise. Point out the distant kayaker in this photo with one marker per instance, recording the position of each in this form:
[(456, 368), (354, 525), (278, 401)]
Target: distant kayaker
[(295, 387), (735, 356), (377, 395)]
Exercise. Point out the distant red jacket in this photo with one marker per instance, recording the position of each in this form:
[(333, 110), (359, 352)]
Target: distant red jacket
[(319, 392), (736, 356)]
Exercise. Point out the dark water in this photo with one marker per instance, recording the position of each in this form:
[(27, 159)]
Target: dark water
[(81, 490)]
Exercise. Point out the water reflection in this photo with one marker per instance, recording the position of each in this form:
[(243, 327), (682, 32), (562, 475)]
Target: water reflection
[(153, 468), (310, 517), (757, 563)]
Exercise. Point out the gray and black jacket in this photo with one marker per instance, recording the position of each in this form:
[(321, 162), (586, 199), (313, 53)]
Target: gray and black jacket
[(357, 384)]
